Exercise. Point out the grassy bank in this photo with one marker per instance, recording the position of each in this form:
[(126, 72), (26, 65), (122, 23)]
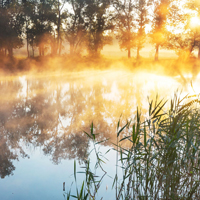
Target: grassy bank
[(160, 159)]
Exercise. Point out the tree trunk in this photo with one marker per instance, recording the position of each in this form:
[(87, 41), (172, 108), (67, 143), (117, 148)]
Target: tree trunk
[(96, 46), (27, 47), (129, 52), (10, 52), (40, 51), (58, 29), (157, 50), (138, 53), (33, 51), (60, 47), (27, 40), (71, 48), (53, 46)]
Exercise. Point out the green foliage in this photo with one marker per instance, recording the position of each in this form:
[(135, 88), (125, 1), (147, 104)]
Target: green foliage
[(131, 19), (162, 158), (90, 24), (92, 182), (75, 31), (99, 20), (39, 31), (11, 27), (187, 39), (125, 24)]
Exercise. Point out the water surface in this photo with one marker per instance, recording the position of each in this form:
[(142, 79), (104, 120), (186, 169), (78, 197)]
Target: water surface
[(42, 118)]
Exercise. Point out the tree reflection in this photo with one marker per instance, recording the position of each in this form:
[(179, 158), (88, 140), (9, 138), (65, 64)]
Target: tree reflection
[(9, 140), (6, 157), (68, 147), (52, 114)]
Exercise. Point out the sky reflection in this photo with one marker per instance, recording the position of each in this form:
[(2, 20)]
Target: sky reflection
[(42, 119)]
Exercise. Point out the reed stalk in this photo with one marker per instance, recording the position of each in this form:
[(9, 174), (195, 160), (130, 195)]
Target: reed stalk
[(162, 160)]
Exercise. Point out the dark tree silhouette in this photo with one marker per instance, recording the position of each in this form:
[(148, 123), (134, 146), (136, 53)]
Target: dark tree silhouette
[(11, 27), (88, 24), (6, 158), (27, 9), (126, 24), (56, 37), (40, 30), (99, 22), (75, 31)]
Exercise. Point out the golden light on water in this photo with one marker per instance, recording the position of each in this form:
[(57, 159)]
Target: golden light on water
[(115, 81), (108, 92), (118, 86)]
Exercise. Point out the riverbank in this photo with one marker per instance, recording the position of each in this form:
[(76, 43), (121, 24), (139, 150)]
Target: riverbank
[(169, 67)]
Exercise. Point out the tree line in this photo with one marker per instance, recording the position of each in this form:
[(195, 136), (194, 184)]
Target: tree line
[(92, 24)]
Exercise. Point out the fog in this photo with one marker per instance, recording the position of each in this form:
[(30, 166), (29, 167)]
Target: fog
[(45, 106)]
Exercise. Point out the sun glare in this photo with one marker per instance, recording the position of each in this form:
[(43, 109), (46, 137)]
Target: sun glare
[(194, 22)]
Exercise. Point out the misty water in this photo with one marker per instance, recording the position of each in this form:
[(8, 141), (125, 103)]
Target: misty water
[(43, 116)]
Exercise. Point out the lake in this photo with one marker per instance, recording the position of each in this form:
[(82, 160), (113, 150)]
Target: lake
[(43, 117)]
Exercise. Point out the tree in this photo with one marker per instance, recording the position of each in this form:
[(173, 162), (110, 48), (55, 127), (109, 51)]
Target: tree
[(125, 24), (142, 20), (182, 43), (194, 5), (56, 38), (183, 35), (158, 33), (99, 22), (75, 31), (6, 158), (41, 26), (28, 9), (11, 23), (3, 23)]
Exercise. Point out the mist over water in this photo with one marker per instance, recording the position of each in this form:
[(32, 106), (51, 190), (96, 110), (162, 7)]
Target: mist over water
[(43, 116), (61, 70)]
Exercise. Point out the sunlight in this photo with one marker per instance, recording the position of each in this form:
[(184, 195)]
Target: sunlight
[(175, 30), (194, 86), (197, 2), (194, 22)]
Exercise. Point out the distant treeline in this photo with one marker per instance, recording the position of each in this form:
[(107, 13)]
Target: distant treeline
[(91, 24)]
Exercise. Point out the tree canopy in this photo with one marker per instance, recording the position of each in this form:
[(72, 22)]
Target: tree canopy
[(46, 26)]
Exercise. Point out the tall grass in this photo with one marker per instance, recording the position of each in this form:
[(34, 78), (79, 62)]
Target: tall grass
[(162, 158)]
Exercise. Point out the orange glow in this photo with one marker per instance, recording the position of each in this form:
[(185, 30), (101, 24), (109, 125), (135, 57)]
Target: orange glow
[(195, 22)]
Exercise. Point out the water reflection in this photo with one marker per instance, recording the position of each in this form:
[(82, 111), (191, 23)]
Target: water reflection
[(51, 111)]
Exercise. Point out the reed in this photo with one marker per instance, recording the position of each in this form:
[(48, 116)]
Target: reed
[(162, 160)]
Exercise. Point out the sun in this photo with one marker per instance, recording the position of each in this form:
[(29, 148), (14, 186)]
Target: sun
[(195, 22)]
